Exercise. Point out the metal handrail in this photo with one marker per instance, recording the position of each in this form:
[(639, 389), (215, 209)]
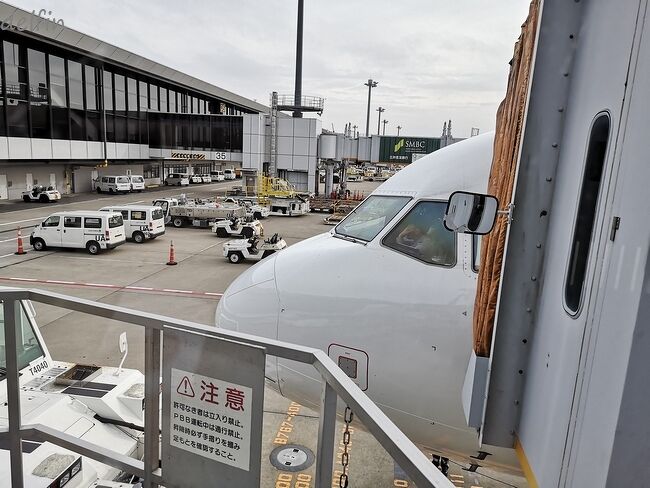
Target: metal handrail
[(308, 101), (336, 384)]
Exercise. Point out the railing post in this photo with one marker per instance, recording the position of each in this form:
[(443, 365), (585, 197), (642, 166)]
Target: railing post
[(326, 434), (151, 404), (12, 318)]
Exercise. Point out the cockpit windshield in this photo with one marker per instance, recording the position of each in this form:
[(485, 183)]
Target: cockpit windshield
[(28, 348), (369, 218)]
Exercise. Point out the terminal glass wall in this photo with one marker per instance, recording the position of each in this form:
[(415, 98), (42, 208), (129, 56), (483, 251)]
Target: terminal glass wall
[(50, 93)]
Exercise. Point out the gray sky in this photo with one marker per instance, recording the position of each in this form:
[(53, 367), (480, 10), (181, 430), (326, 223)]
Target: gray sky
[(434, 60)]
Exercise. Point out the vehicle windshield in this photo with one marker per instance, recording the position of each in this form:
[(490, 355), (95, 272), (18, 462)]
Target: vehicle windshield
[(369, 218), (115, 221), (28, 348), (137, 179)]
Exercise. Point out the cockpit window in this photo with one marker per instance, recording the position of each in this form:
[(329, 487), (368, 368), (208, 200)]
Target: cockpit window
[(28, 347), (369, 218), (422, 235)]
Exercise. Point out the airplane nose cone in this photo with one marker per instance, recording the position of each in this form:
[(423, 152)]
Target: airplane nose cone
[(251, 305)]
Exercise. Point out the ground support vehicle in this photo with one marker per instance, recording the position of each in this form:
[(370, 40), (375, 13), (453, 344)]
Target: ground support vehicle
[(253, 209), (291, 206), (237, 227), (113, 184), (80, 229), (137, 183), (229, 174), (240, 249), (196, 179), (181, 213), (206, 178), (99, 404), (141, 222), (217, 176), (41, 194), (177, 179), (333, 205)]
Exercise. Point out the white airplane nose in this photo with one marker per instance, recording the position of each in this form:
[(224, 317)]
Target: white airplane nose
[(251, 305)]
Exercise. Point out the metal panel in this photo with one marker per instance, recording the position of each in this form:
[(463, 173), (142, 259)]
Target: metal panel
[(212, 358)]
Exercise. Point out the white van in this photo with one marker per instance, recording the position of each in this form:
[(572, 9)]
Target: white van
[(81, 229), (217, 176), (113, 184), (137, 183), (140, 221), (229, 174)]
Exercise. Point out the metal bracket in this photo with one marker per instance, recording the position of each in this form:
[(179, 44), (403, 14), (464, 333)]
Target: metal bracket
[(508, 211)]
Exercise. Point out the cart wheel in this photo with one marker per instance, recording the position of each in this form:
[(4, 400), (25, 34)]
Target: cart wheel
[(43, 199), (25, 199), (221, 232), (235, 257), (247, 232)]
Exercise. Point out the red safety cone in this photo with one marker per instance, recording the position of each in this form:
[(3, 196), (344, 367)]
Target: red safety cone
[(172, 261), (20, 250)]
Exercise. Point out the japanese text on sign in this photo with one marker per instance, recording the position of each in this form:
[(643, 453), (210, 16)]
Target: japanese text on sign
[(211, 417)]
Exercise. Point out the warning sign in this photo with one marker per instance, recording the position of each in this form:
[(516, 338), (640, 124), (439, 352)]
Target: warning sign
[(211, 417)]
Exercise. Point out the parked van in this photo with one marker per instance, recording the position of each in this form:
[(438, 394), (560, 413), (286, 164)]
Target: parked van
[(217, 176), (141, 222), (90, 230), (229, 174), (179, 179), (137, 183), (113, 184)]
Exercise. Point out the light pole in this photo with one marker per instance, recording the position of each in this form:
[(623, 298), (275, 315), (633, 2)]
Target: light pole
[(383, 130), (380, 110), (399, 128), (370, 84), (354, 131)]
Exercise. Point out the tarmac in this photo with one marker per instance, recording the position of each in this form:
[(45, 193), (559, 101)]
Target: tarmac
[(136, 276)]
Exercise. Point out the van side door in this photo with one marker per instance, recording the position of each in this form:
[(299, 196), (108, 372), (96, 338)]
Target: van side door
[(50, 231), (73, 233)]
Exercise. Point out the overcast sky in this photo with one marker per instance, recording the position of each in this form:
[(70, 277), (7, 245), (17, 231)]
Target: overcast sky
[(434, 60)]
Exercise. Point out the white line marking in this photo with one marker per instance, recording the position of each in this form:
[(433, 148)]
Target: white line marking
[(145, 288), (60, 282), (176, 291), (101, 285), (12, 239), (6, 255), (24, 279), (26, 220)]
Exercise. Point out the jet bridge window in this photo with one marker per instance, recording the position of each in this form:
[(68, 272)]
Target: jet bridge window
[(369, 218), (28, 348), (586, 217), (421, 234)]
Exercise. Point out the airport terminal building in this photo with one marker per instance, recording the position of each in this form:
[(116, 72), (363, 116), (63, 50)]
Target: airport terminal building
[(73, 107)]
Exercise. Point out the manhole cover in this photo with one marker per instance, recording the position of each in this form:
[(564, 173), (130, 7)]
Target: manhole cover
[(291, 457)]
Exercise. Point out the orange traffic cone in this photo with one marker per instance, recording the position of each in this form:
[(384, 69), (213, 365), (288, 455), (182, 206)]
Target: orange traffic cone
[(172, 261), (20, 250)]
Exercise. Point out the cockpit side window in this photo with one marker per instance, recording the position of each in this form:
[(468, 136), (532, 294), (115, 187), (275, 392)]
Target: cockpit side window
[(369, 218), (422, 235), (28, 347)]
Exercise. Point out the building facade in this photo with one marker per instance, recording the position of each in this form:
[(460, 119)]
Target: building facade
[(73, 107)]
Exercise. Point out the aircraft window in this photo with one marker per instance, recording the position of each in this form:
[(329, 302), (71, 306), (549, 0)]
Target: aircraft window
[(28, 347), (587, 205), (476, 252), (369, 218), (422, 235)]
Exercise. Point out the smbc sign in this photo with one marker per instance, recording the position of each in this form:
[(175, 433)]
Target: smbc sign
[(406, 149)]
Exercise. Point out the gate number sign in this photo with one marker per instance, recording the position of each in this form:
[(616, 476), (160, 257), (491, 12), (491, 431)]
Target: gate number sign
[(211, 418)]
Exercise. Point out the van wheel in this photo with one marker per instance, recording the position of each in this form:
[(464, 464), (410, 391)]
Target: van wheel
[(25, 199), (43, 199), (138, 237), (99, 190), (166, 184), (139, 191), (93, 248), (177, 222), (235, 257), (39, 245), (221, 232), (110, 190)]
